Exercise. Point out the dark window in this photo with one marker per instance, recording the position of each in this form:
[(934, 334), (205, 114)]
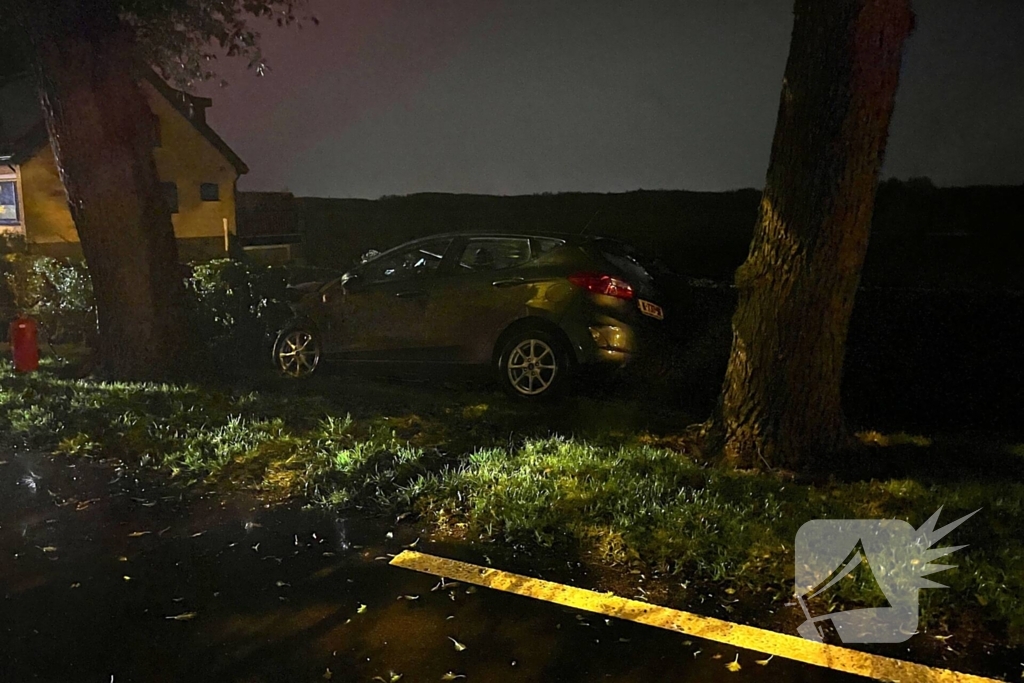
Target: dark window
[(9, 203), (495, 253), (415, 262), (170, 191), (209, 192)]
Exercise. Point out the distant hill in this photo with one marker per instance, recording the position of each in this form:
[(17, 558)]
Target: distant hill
[(923, 236)]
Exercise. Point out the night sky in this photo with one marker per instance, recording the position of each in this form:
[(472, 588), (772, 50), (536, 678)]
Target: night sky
[(525, 96)]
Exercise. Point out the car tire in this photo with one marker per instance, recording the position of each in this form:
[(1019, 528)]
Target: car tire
[(297, 352), (533, 365)]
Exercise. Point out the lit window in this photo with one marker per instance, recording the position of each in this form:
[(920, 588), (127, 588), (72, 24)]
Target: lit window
[(9, 203), (209, 192)]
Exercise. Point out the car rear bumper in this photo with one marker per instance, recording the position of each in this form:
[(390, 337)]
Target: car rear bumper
[(611, 341)]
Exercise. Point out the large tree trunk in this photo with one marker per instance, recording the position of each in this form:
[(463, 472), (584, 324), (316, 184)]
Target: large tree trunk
[(102, 133), (779, 405)]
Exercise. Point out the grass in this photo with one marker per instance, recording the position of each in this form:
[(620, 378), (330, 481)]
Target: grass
[(584, 477)]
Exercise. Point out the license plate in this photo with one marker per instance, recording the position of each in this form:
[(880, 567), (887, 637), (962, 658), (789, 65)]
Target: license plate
[(653, 310)]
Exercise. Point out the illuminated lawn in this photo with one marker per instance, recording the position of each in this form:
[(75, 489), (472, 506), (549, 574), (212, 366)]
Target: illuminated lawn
[(586, 478)]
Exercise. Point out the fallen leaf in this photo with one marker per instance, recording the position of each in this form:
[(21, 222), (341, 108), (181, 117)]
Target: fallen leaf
[(49, 549), (459, 647), (76, 585), (198, 534), (328, 675), (282, 584), (450, 676), (361, 609), (408, 597), (764, 662), (122, 559), (185, 616), (734, 665), (136, 534), (126, 577)]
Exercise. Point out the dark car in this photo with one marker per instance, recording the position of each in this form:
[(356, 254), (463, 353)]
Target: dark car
[(535, 308)]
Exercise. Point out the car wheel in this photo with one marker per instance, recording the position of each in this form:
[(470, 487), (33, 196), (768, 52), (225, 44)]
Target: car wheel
[(533, 365), (297, 352)]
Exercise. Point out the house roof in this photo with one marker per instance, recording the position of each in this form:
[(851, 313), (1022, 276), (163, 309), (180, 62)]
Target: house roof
[(23, 133)]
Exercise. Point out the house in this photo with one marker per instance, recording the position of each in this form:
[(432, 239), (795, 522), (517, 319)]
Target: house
[(196, 167)]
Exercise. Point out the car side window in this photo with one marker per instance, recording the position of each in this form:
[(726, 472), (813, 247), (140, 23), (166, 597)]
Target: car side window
[(415, 262), (494, 253)]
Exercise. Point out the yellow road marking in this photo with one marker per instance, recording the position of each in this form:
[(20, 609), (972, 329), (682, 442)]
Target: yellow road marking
[(747, 637)]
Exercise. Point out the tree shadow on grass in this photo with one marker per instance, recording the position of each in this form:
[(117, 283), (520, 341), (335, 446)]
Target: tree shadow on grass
[(943, 459)]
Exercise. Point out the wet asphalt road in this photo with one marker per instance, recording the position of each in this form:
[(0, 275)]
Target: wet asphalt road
[(107, 578)]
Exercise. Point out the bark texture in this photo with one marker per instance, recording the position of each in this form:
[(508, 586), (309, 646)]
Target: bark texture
[(102, 133), (780, 401)]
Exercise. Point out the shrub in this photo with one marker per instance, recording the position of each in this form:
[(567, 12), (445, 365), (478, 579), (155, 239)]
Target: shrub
[(56, 292), (237, 307)]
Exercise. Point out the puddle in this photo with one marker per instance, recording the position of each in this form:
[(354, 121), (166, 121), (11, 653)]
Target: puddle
[(106, 577)]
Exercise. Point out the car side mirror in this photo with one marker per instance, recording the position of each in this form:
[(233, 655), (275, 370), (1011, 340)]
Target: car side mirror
[(351, 280)]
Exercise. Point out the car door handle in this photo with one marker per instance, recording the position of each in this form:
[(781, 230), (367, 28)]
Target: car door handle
[(511, 282), (411, 294)]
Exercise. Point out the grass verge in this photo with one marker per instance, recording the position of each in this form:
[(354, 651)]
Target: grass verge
[(585, 476)]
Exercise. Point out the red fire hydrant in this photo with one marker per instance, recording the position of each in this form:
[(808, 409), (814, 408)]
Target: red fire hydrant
[(24, 336)]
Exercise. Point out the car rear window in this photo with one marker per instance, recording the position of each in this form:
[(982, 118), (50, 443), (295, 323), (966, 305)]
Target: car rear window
[(627, 259)]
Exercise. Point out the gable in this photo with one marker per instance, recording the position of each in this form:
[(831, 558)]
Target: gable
[(193, 110)]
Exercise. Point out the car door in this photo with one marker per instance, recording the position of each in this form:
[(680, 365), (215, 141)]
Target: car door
[(485, 288), (380, 313)]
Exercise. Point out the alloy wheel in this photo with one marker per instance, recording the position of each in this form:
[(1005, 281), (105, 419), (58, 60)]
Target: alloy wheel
[(298, 353), (532, 367)]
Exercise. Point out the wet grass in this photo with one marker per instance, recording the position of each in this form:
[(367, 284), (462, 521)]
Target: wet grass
[(587, 476)]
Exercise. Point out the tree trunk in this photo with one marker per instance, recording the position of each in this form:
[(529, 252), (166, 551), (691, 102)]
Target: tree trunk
[(780, 405), (102, 133)]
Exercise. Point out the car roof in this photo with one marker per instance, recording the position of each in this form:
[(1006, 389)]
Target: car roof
[(565, 237)]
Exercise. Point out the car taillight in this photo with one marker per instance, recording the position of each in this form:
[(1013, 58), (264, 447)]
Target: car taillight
[(603, 284)]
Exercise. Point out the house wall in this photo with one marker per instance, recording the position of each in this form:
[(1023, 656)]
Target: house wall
[(184, 157)]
